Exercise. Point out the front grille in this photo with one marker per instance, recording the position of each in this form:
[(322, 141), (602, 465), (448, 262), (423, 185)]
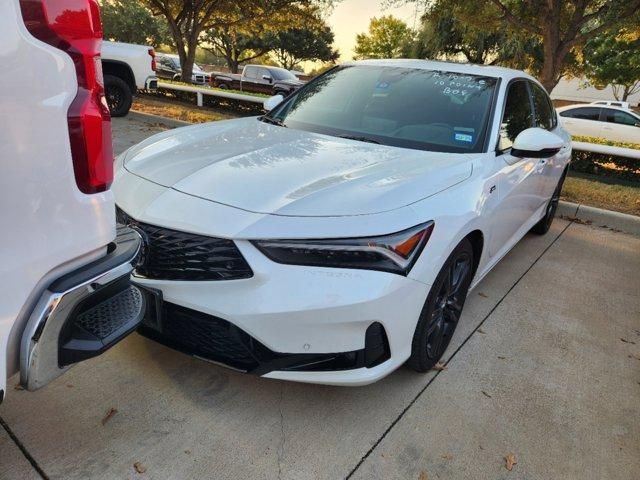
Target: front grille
[(173, 255), (203, 335)]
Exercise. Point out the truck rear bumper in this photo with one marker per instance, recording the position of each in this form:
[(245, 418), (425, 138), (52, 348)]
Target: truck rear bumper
[(82, 314), (151, 83)]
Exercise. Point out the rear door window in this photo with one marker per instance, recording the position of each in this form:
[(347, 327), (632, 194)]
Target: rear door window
[(518, 115), (545, 114), (584, 113), (251, 72)]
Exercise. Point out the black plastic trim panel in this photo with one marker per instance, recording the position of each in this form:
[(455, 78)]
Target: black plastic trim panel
[(219, 341)]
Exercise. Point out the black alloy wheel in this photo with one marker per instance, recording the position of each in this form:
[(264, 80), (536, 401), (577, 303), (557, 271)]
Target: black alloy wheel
[(442, 310), (118, 95)]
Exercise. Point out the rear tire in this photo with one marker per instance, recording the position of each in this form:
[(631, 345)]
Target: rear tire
[(223, 86), (118, 94), (442, 309), (544, 224)]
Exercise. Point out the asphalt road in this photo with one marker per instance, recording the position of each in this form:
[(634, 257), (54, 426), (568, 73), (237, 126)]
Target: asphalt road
[(545, 365)]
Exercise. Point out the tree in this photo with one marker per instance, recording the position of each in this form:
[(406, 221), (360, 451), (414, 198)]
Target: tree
[(443, 33), (237, 45), (128, 21), (614, 60), (188, 19), (296, 45), (562, 27), (388, 37)]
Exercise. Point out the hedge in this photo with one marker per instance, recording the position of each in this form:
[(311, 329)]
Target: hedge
[(606, 165)]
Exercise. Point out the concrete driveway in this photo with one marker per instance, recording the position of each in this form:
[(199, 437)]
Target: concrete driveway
[(545, 365)]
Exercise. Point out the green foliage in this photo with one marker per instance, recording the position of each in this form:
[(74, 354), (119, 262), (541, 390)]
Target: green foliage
[(614, 59), (546, 36), (295, 45), (388, 37), (606, 165), (129, 21), (237, 44)]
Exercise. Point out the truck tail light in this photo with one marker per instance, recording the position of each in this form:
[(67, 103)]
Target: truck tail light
[(74, 26), (152, 52)]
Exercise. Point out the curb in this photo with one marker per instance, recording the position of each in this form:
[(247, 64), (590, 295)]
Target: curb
[(599, 217), (149, 117)]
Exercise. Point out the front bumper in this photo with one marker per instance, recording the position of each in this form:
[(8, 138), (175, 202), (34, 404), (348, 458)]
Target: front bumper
[(307, 324)]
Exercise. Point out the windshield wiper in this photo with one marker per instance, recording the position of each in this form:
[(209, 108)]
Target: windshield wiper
[(273, 121), (360, 138)]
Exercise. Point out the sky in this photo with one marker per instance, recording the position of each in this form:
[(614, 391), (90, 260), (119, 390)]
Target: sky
[(351, 17)]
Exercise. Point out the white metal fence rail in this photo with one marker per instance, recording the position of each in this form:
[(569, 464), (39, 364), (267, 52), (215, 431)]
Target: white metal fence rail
[(202, 91), (606, 150)]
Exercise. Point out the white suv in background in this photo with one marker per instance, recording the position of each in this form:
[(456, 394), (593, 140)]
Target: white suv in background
[(64, 270)]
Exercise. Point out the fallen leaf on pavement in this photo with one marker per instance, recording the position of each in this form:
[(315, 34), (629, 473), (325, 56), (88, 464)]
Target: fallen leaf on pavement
[(483, 295), (510, 461), (423, 476), (501, 357), (140, 468), (447, 456), (635, 355), (481, 331), (110, 413), (627, 341), (439, 367), (486, 394), (18, 387)]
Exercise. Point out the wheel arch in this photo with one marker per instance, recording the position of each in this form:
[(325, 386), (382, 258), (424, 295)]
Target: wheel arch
[(121, 70), (476, 237)]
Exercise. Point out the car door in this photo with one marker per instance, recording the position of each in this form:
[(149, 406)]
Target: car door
[(516, 183), (620, 126), (265, 80), (583, 121), (548, 170)]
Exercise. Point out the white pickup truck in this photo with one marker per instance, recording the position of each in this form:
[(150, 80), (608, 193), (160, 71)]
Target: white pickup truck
[(127, 68), (65, 294)]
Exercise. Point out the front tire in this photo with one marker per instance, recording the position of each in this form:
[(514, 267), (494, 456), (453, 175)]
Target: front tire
[(118, 94), (544, 224), (442, 310)]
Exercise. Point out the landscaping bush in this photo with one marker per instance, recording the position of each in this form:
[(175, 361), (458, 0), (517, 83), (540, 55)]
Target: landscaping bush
[(606, 165)]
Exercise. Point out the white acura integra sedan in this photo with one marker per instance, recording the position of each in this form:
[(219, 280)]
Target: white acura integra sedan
[(336, 237)]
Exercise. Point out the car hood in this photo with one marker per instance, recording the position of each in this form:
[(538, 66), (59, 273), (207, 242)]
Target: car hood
[(268, 169)]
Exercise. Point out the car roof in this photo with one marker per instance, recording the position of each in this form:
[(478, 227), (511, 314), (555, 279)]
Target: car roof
[(596, 105), (455, 67)]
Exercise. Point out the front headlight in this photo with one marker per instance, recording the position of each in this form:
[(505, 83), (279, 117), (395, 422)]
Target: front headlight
[(395, 253)]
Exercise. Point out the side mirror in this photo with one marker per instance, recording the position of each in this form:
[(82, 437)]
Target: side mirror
[(267, 78), (272, 102), (536, 143)]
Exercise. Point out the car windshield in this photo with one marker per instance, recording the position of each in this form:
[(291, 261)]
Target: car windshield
[(404, 107), (282, 74)]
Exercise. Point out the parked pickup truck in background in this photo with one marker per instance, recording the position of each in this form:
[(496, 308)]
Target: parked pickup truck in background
[(169, 68), (127, 68), (65, 269), (260, 79)]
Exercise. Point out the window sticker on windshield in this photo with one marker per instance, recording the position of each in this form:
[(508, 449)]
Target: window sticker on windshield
[(463, 137), (382, 89), (462, 134)]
